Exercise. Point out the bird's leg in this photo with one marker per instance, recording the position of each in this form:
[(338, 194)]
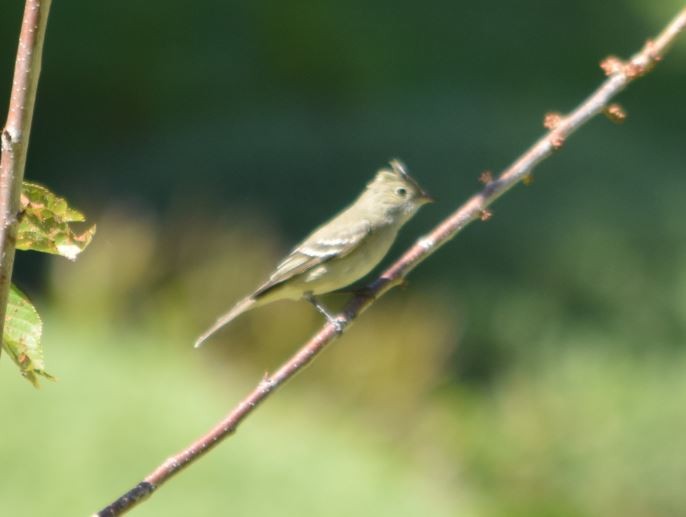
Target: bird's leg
[(364, 291), (371, 290), (360, 290), (337, 323)]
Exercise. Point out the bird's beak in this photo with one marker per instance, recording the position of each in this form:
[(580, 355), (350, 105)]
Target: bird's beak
[(425, 197)]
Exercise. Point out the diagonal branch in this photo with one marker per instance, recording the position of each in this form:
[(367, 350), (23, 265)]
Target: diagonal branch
[(620, 74), (15, 135)]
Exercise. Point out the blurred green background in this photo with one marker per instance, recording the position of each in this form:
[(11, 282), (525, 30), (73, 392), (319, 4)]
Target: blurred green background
[(532, 367)]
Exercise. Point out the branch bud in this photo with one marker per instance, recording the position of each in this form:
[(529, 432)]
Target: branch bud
[(486, 177), (615, 113), (557, 140), (552, 120), (612, 65)]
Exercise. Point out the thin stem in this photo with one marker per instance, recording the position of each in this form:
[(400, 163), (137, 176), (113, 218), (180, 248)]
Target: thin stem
[(15, 135), (620, 74)]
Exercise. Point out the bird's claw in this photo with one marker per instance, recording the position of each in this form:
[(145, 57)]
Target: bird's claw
[(338, 325)]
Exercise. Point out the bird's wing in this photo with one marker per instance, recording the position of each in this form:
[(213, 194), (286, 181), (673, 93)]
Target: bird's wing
[(318, 248)]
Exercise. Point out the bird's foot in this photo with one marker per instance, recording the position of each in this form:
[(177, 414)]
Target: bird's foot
[(337, 324)]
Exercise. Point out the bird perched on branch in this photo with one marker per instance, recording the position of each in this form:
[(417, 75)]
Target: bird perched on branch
[(341, 251)]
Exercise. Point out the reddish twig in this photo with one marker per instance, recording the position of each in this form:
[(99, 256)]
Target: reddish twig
[(561, 127), (15, 135)]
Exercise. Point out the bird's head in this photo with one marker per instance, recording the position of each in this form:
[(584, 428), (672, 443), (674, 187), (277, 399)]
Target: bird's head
[(396, 192)]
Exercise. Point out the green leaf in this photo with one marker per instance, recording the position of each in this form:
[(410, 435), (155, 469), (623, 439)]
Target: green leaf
[(44, 224), (21, 340)]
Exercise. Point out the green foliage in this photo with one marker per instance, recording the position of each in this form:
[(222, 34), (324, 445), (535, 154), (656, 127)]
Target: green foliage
[(578, 418), (122, 407), (22, 334), (591, 431), (45, 224), (538, 376)]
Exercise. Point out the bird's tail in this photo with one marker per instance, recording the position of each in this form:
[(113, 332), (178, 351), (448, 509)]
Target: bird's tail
[(238, 309)]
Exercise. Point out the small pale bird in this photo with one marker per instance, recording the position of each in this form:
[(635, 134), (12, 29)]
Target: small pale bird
[(342, 250)]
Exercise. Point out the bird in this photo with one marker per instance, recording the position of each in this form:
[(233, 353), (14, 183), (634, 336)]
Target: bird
[(342, 250)]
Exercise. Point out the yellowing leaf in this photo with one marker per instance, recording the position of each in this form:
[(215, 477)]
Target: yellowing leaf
[(21, 339), (44, 224)]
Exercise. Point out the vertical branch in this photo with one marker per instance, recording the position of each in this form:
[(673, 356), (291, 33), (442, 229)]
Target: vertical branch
[(15, 136)]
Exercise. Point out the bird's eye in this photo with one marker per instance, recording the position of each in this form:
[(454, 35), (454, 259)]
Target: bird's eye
[(402, 192)]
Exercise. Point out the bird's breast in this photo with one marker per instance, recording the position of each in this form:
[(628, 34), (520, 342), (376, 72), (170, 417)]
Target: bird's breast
[(341, 272)]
